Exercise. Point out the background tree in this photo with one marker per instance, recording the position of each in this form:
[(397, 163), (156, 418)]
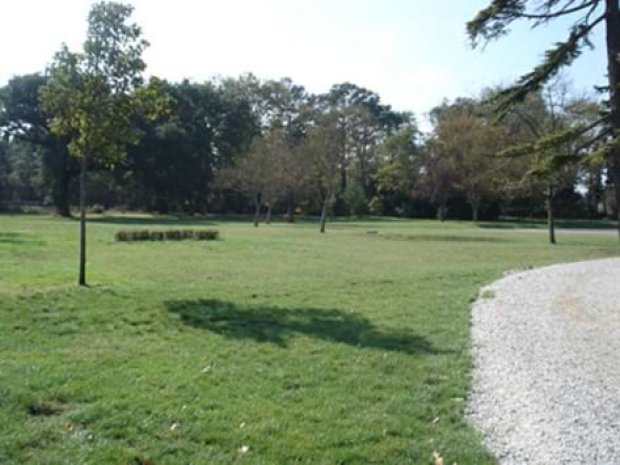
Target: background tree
[(493, 22), (177, 161), (364, 123), (22, 118), (92, 96), (400, 162), (263, 173), (543, 116), (320, 157)]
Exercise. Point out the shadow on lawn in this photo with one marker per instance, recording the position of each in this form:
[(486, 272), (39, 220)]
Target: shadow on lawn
[(152, 221), (542, 224), (442, 238), (18, 238), (277, 325)]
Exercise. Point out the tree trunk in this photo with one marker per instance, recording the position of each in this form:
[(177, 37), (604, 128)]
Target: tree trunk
[(82, 267), (290, 215), (343, 177), (474, 201), (550, 214), (60, 195), (324, 214), (442, 211), (257, 200), (612, 21), (268, 214)]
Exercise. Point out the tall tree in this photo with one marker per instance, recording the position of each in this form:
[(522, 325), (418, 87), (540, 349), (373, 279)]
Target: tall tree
[(93, 96), (400, 162), (21, 117), (320, 156), (469, 144), (494, 21), (364, 123), (263, 172), (543, 116)]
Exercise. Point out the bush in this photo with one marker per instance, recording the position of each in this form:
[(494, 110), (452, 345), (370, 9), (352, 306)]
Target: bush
[(207, 235), (170, 235), (157, 236)]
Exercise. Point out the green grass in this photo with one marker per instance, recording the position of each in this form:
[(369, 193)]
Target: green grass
[(343, 348)]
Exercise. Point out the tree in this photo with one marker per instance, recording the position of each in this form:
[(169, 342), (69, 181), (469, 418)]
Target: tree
[(364, 123), (4, 173), (468, 143), (400, 162), (263, 172), (493, 22), (93, 96), (319, 155), (458, 156), (177, 161), (21, 117), (543, 116)]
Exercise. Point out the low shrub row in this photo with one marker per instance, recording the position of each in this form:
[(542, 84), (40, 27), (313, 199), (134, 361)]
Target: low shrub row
[(170, 235)]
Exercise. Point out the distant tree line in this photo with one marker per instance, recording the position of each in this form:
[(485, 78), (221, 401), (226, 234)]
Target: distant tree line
[(269, 147), (242, 144)]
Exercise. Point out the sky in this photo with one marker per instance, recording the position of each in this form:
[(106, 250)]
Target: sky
[(413, 53)]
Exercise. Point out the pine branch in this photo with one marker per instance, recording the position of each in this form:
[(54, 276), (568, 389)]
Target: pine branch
[(493, 22), (556, 58)]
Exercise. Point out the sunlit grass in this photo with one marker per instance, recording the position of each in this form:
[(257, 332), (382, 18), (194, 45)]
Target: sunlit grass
[(273, 345)]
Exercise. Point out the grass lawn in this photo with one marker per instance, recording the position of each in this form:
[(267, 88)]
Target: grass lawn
[(274, 345)]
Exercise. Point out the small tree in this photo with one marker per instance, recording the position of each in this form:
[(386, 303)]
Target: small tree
[(495, 20), (264, 172), (92, 96), (320, 156), (551, 153), (469, 143)]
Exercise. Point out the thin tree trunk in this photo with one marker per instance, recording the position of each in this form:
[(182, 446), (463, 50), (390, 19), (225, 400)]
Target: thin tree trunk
[(612, 21), (442, 211), (258, 202), (550, 214), (82, 266), (60, 193), (268, 214), (324, 214), (475, 211), (290, 215), (474, 201)]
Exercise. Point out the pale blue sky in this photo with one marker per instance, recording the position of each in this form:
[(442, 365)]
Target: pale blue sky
[(413, 53)]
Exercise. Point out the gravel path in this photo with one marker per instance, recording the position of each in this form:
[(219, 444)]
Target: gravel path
[(546, 380)]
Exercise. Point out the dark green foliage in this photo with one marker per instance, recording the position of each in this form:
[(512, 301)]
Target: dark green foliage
[(206, 235), (23, 121), (355, 199), (169, 235), (177, 235), (157, 236)]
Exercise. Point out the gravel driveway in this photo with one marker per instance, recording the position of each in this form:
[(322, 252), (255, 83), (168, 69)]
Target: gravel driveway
[(546, 351)]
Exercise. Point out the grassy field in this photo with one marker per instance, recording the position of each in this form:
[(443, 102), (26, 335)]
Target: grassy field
[(274, 345)]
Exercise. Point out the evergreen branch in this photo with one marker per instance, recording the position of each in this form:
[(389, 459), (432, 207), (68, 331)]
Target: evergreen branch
[(562, 55), (492, 22)]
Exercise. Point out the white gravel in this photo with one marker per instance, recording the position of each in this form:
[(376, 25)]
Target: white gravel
[(546, 351)]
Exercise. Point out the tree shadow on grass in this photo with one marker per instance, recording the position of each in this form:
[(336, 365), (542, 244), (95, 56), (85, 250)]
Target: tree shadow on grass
[(542, 224), (442, 238), (278, 325), (152, 221), (18, 238)]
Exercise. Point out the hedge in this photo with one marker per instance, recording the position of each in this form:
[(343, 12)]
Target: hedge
[(169, 235)]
